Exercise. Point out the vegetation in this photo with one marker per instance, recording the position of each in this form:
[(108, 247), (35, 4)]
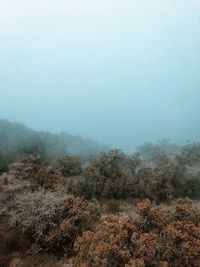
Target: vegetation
[(116, 175), (113, 210), (17, 141), (68, 166), (156, 239)]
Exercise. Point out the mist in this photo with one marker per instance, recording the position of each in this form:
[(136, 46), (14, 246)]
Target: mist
[(119, 72)]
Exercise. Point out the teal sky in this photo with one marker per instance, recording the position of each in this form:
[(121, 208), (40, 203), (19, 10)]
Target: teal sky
[(118, 71)]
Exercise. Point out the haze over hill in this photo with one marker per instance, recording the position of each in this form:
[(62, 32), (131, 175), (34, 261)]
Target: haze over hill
[(99, 133), (17, 139), (120, 72)]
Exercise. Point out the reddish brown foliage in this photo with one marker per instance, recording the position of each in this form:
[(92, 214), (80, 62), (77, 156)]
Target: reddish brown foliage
[(36, 210), (77, 216), (157, 239), (107, 246)]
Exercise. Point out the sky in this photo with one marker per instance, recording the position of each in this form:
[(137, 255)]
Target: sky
[(119, 71)]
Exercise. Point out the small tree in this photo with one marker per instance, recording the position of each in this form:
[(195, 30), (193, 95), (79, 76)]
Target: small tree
[(68, 166)]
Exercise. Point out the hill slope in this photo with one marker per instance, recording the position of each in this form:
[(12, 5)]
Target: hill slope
[(16, 138)]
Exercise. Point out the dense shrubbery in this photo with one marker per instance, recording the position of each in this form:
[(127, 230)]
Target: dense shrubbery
[(158, 238), (105, 177), (51, 218), (48, 212), (115, 175)]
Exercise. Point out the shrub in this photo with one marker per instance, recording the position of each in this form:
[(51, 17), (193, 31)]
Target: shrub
[(106, 246), (156, 239), (78, 216), (44, 178), (106, 177), (186, 211), (52, 219), (68, 166), (4, 163), (189, 155), (114, 175), (26, 167)]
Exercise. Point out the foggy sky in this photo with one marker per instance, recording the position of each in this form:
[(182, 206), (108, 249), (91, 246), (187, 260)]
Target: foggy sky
[(118, 71)]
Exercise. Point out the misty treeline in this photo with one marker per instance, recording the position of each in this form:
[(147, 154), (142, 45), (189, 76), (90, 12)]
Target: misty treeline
[(159, 172), (17, 141)]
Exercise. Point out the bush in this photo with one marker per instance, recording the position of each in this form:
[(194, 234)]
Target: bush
[(106, 246), (114, 175), (78, 216), (52, 219), (189, 155), (108, 176), (12, 242), (44, 178), (4, 163), (156, 239), (68, 166)]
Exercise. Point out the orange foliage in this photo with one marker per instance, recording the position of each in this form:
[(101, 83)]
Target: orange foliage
[(156, 239)]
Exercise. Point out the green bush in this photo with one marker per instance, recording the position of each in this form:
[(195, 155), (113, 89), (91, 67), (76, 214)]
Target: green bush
[(68, 166)]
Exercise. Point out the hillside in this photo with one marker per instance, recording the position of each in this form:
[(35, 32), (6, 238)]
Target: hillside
[(118, 210), (17, 139), (114, 212)]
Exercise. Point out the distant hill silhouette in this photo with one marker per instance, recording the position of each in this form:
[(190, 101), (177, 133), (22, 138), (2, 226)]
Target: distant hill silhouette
[(17, 139)]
